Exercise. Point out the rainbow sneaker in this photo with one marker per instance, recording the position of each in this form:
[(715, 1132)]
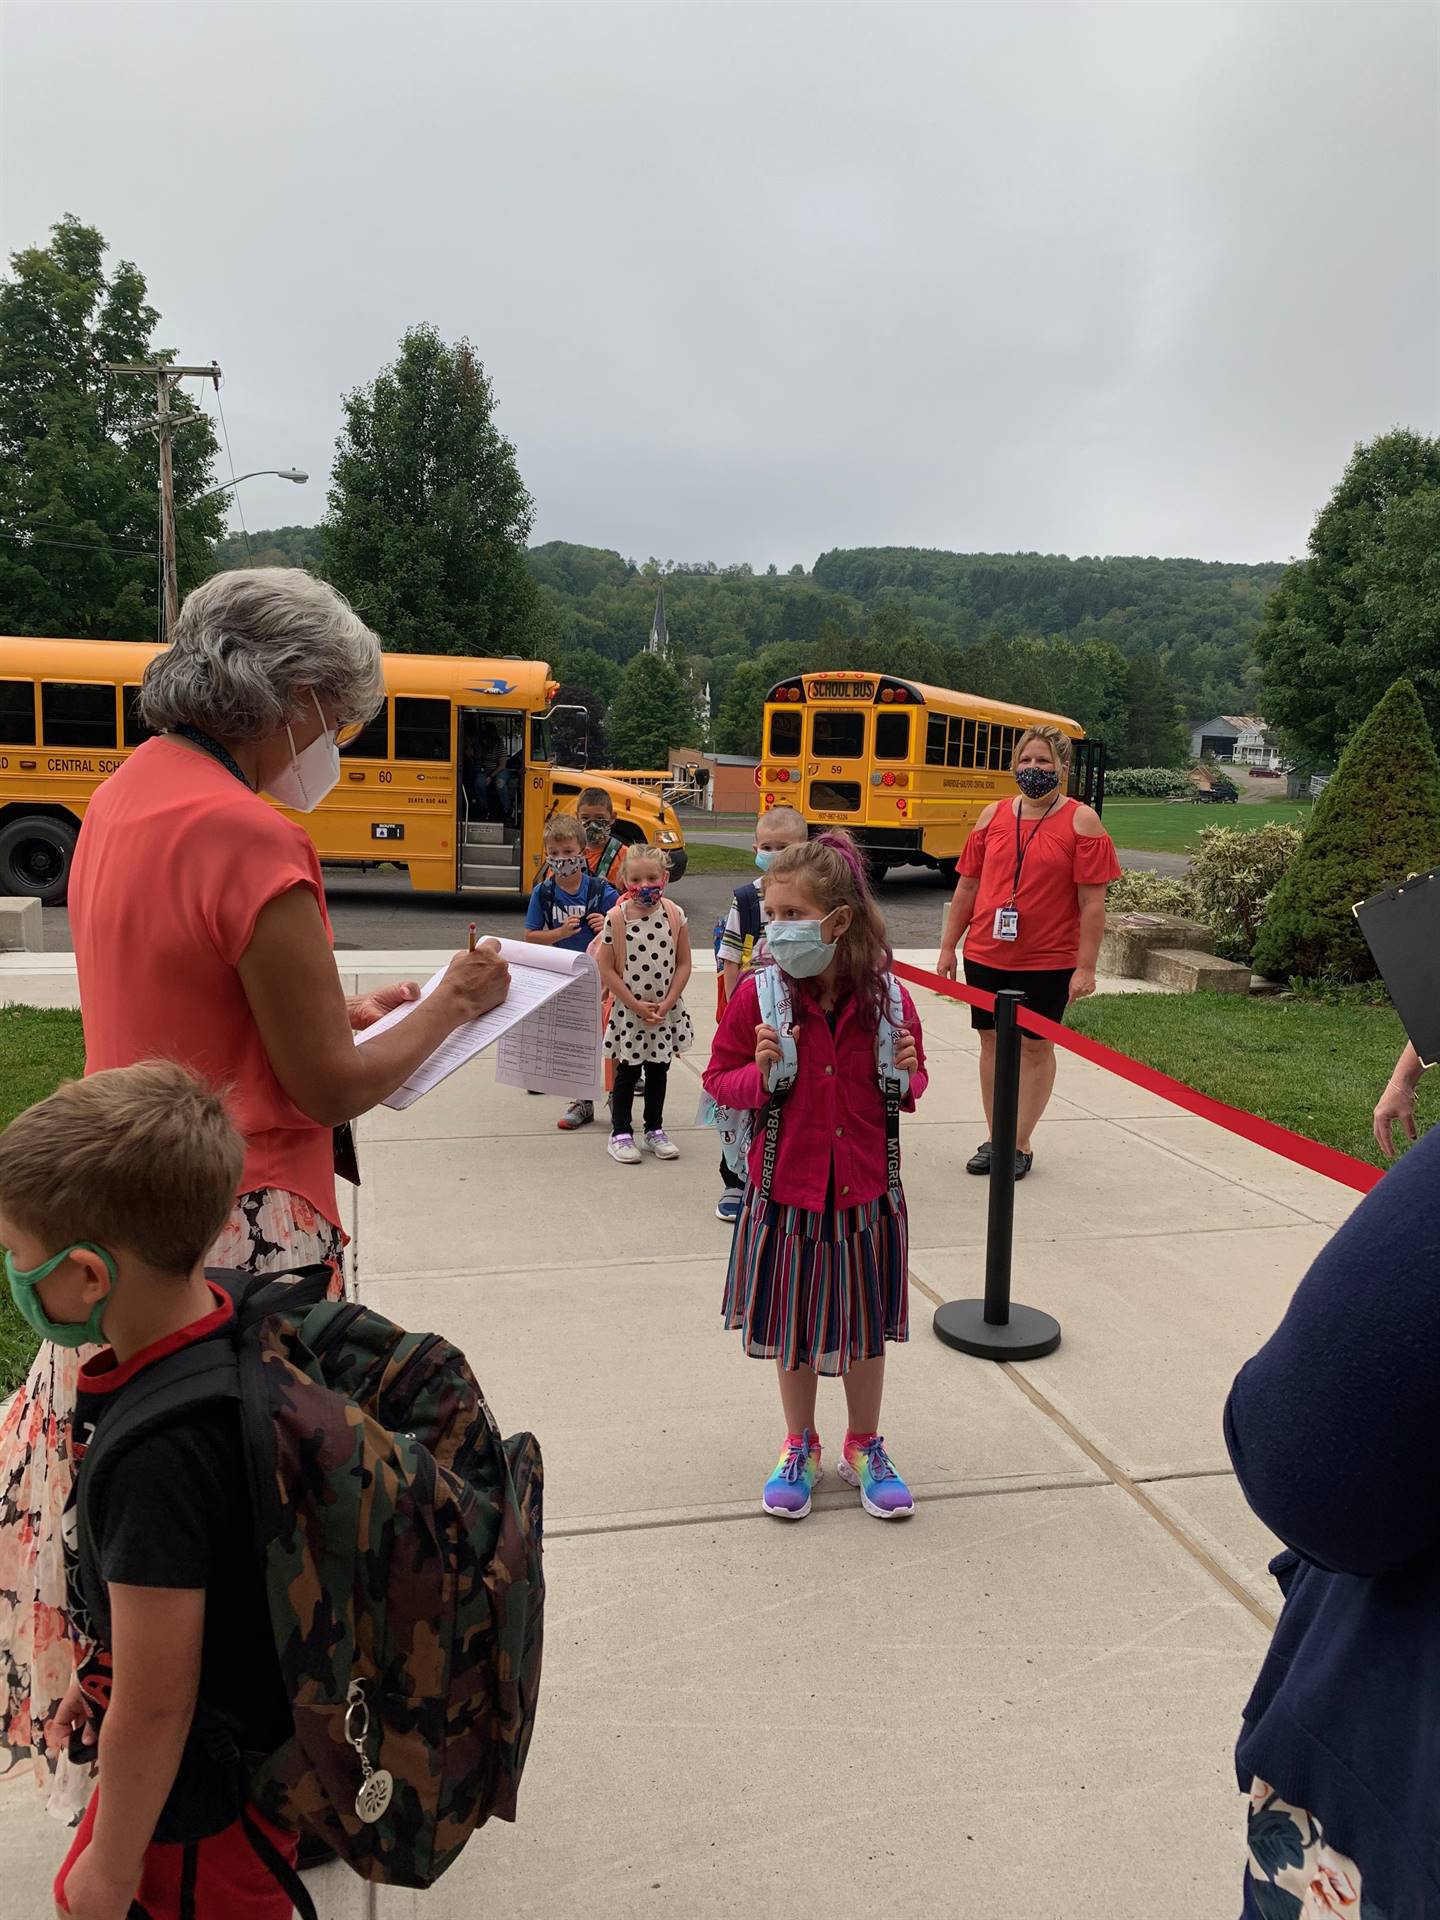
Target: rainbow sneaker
[(866, 1465), (787, 1491)]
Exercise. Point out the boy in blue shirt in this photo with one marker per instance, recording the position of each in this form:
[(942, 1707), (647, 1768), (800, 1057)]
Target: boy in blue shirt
[(567, 909)]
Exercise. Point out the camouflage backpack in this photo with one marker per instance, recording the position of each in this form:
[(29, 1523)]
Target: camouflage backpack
[(401, 1544)]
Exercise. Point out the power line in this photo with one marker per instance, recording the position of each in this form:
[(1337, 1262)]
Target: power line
[(235, 492), (88, 546)]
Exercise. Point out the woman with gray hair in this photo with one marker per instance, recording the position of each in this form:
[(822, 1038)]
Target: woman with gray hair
[(201, 936)]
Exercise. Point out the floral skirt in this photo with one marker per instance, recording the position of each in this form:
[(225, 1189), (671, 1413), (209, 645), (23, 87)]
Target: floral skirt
[(268, 1231), (1292, 1873), (819, 1290)]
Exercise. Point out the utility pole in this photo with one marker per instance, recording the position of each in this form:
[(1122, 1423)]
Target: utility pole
[(164, 424)]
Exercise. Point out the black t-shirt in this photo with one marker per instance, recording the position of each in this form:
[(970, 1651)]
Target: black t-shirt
[(178, 1514)]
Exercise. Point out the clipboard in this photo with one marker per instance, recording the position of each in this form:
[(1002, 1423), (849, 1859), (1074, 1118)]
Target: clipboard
[(1402, 930)]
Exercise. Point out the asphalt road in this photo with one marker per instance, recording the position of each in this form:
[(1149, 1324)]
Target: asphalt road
[(379, 911)]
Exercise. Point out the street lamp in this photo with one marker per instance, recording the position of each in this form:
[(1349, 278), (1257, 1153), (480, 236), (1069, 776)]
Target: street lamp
[(278, 473)]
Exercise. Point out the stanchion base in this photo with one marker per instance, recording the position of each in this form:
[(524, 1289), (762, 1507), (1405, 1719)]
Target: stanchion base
[(1027, 1335)]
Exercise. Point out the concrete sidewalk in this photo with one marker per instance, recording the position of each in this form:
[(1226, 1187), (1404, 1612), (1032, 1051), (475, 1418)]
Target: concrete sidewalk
[(1020, 1703)]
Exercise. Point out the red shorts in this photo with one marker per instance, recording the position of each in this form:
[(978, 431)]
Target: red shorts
[(230, 1878)]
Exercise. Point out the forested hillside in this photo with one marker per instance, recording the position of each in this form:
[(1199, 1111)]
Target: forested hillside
[(1130, 647)]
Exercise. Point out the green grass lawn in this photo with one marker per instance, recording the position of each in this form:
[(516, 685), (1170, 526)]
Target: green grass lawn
[(39, 1047), (1155, 826), (702, 857), (1316, 1069)]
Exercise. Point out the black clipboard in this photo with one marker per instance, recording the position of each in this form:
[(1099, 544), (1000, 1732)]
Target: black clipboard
[(1402, 930)]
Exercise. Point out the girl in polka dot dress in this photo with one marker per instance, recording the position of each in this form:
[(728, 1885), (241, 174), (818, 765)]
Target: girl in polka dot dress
[(644, 956)]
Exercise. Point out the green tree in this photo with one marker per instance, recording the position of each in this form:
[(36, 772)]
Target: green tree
[(649, 715), (78, 473), (1364, 609), (742, 712), (428, 514), (1154, 736), (584, 667), (1377, 821), (271, 547)]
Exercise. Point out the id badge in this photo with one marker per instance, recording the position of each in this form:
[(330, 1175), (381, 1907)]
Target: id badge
[(1007, 923)]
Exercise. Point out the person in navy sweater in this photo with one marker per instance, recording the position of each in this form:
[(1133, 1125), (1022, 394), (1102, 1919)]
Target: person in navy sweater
[(1334, 1431)]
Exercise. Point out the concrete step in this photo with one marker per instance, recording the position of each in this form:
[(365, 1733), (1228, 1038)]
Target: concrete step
[(1187, 970), (485, 833), (1129, 937), (495, 878)]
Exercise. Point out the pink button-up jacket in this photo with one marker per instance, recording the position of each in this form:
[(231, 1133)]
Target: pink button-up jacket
[(833, 1112)]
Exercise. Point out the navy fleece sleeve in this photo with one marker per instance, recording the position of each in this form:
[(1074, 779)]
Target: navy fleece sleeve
[(1334, 1426)]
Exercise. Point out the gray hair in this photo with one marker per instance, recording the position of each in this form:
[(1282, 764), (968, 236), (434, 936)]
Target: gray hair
[(251, 645)]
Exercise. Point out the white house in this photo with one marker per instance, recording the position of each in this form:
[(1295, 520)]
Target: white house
[(1239, 738)]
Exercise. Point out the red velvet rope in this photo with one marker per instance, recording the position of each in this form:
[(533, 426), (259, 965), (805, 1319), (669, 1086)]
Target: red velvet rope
[(1335, 1165)]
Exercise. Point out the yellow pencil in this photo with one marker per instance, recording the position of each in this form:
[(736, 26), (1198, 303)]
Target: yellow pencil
[(472, 936)]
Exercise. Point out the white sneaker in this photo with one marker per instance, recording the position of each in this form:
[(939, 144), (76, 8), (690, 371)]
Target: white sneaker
[(622, 1147), (661, 1145)]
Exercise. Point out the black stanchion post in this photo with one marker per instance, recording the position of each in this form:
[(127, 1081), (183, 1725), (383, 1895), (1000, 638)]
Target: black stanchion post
[(995, 1328)]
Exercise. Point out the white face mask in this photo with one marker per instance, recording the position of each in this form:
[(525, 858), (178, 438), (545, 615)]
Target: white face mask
[(311, 773)]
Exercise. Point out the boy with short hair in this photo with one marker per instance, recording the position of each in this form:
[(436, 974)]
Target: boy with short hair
[(742, 943), (604, 854), (567, 909), (111, 1193)]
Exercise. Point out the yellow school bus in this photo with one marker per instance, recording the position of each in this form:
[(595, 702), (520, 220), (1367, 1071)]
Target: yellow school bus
[(453, 778), (907, 768)]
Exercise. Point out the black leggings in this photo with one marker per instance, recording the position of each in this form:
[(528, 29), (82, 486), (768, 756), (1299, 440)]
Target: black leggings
[(622, 1100)]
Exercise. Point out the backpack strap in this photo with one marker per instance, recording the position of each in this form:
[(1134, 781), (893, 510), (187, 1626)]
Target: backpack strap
[(777, 1012), (747, 901), (201, 1375), (894, 1081)]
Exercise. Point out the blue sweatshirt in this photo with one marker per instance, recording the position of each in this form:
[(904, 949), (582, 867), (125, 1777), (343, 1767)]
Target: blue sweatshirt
[(1334, 1430)]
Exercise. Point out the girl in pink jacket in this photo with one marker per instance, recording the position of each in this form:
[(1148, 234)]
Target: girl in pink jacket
[(817, 1278)]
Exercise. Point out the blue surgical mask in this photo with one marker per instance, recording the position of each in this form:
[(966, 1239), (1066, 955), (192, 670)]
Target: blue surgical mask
[(763, 857), (798, 947), (63, 1333)]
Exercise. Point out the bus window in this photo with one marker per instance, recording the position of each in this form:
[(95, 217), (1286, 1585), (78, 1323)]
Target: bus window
[(982, 743), (835, 796), (997, 747), (17, 713), (373, 740), (837, 736), (136, 731), (892, 736), (785, 734), (77, 716), (952, 744), (967, 746), (422, 729), (1008, 737), (935, 740)]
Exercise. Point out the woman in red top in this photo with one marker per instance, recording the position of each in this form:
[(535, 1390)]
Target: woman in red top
[(1030, 907), (201, 936)]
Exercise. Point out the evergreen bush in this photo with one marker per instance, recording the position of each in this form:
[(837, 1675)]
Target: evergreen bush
[(1377, 821), (1234, 872)]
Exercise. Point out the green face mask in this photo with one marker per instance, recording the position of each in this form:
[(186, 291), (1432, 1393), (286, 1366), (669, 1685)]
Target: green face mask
[(64, 1333)]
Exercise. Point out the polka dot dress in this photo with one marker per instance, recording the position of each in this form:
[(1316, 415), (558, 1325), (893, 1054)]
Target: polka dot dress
[(649, 969)]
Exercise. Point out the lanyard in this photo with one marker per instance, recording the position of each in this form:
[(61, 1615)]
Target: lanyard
[(1021, 851), (215, 751)]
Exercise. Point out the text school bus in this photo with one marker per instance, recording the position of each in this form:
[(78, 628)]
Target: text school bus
[(906, 768), (453, 778)]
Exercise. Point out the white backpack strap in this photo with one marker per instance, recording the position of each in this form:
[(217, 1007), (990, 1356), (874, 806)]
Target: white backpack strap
[(776, 1012)]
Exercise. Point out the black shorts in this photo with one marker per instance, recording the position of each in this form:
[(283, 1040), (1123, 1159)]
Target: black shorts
[(1046, 990)]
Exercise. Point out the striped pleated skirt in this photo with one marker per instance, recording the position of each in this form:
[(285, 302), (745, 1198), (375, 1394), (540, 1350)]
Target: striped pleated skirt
[(819, 1290)]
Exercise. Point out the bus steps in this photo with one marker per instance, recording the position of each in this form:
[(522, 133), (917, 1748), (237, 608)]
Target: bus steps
[(490, 858)]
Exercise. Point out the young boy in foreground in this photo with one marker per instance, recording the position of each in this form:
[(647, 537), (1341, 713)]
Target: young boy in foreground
[(111, 1192), (741, 942)]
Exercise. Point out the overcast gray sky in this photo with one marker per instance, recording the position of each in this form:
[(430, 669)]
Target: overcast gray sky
[(754, 278)]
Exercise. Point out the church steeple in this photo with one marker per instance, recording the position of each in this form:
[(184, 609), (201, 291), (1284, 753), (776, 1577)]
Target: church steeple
[(659, 633)]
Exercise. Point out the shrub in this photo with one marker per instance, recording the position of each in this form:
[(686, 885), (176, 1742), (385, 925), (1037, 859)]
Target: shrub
[(1234, 873), (1377, 821), (1141, 891), (1145, 783)]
